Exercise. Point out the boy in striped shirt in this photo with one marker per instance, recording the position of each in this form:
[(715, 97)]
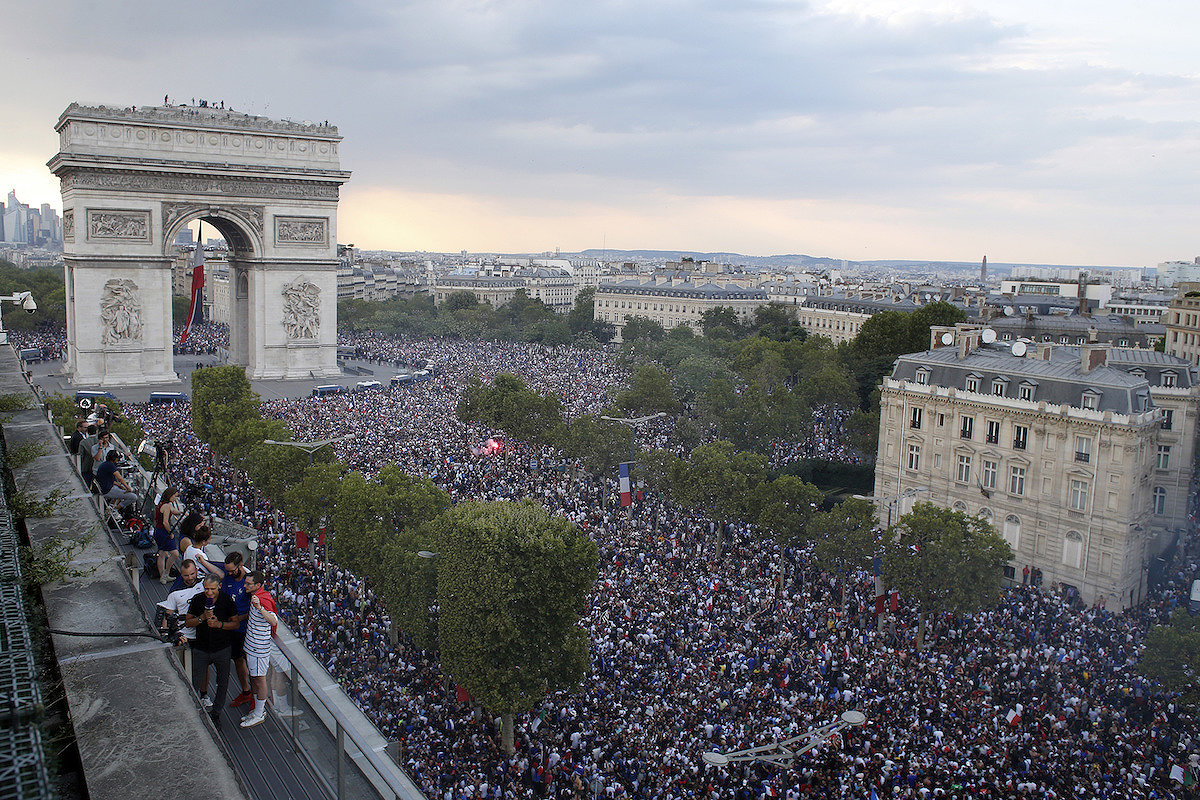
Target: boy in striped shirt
[(260, 627)]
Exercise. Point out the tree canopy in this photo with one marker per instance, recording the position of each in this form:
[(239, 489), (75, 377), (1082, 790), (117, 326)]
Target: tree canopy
[(942, 561), (512, 583)]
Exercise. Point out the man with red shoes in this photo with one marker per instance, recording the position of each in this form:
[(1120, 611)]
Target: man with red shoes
[(260, 627)]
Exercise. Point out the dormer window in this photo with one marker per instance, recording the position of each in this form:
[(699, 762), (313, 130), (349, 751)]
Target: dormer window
[(1138, 373), (1026, 389), (1168, 378), (972, 384), (1091, 399), (1000, 387), (922, 376)]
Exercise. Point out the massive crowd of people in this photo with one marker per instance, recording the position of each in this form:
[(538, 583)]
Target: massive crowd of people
[(1034, 698)]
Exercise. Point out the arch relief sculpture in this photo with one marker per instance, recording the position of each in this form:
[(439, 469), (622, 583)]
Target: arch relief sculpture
[(121, 312), (301, 309)]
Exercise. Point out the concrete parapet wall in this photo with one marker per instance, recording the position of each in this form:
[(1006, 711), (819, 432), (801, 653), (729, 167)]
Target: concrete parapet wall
[(135, 719)]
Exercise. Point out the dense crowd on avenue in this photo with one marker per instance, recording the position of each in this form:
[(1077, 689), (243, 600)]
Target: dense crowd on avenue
[(1034, 698), (204, 338), (51, 341)]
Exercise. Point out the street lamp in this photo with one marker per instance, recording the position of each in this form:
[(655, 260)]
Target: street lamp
[(312, 447), (781, 753), (427, 554), (26, 301), (631, 421)]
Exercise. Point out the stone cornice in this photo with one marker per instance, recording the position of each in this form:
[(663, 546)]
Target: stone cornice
[(72, 162), (1039, 411), (226, 185), (214, 119)]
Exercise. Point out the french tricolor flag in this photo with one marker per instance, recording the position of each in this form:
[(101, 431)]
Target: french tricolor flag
[(1013, 717), (626, 499), (196, 308)]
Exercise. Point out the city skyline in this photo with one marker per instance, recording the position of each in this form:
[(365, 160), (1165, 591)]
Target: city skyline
[(857, 130)]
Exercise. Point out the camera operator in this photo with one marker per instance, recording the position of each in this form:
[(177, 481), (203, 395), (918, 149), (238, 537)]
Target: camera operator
[(174, 608)]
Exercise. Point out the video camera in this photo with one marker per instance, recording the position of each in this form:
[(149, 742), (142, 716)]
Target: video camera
[(168, 625)]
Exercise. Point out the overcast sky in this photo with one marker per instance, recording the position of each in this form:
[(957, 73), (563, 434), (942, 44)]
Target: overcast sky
[(1065, 132)]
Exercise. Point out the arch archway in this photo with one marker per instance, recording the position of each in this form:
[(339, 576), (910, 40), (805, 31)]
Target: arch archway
[(131, 178)]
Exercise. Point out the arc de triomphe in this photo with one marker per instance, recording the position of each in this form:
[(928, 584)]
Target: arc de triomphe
[(132, 178)]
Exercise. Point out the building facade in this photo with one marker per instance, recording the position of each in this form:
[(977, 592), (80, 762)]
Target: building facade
[(672, 303), (1081, 457), (1183, 324), (556, 288)]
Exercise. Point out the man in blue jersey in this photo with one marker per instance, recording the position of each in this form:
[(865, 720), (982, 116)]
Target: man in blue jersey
[(234, 584)]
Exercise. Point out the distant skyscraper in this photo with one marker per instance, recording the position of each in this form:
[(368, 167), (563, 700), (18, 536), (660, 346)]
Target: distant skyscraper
[(983, 271)]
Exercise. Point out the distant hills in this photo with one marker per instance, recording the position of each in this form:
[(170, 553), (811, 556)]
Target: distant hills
[(813, 262)]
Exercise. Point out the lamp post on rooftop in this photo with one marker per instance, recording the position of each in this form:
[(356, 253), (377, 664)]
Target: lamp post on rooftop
[(312, 447), (781, 753)]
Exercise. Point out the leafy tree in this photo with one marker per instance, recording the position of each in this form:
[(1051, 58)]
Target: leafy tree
[(884, 336), (847, 537), (222, 399), (919, 322), (649, 392), (720, 479), (828, 384), (510, 405), (773, 321), (862, 431), (550, 332), (785, 508), (681, 333), (461, 301), (600, 445), (714, 320), (604, 331), (309, 503), (943, 561), (583, 313), (179, 309), (642, 329), (692, 377), (368, 514), (1172, 655), (407, 583), (273, 468), (512, 583)]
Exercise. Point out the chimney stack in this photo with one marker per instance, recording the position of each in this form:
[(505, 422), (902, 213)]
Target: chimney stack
[(1093, 356)]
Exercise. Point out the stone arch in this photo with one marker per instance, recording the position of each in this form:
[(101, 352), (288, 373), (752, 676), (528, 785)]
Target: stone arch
[(132, 177), (240, 226)]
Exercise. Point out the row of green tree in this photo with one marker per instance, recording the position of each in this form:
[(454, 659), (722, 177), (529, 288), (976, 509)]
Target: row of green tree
[(761, 380), (509, 580), (462, 315)]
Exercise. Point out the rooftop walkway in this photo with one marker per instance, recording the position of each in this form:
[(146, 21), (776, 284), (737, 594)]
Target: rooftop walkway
[(134, 714)]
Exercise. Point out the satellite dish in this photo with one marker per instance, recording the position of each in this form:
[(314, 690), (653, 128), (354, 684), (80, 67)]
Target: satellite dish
[(988, 336), (947, 338), (1019, 349), (1009, 311)]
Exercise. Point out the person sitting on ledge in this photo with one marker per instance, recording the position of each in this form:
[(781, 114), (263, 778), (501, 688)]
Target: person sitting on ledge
[(112, 484)]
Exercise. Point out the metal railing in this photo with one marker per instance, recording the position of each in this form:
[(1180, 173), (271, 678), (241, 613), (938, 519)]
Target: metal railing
[(344, 748)]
